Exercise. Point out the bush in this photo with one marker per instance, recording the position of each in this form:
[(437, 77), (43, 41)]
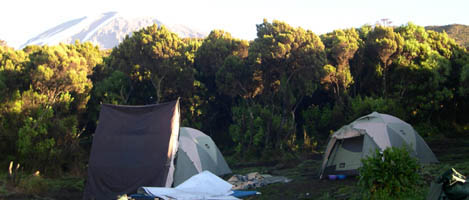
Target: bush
[(257, 130), (363, 106), (426, 129), (318, 125), (392, 174)]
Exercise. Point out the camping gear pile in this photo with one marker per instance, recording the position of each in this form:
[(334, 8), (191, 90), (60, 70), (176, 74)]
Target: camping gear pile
[(359, 139), (450, 185), (255, 180)]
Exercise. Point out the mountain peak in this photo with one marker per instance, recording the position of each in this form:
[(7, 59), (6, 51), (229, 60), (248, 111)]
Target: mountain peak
[(106, 30)]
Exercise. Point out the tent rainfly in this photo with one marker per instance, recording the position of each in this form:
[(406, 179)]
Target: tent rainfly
[(133, 146), (359, 139)]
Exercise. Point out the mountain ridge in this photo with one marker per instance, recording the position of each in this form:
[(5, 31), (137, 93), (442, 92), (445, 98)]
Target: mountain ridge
[(106, 30), (459, 32)]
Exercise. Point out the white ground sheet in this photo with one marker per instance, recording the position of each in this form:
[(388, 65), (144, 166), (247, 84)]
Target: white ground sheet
[(203, 186)]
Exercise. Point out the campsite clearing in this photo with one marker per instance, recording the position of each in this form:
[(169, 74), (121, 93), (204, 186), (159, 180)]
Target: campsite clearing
[(451, 152)]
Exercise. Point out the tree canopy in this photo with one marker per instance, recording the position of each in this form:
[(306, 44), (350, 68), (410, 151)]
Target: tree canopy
[(283, 92)]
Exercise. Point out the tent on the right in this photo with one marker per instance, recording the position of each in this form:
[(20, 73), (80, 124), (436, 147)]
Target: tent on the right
[(359, 139)]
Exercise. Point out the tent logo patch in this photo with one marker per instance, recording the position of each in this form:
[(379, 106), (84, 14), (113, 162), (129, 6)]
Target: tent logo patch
[(342, 165)]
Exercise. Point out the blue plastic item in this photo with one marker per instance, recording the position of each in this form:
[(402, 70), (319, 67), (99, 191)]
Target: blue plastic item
[(332, 177), (341, 177), (243, 193)]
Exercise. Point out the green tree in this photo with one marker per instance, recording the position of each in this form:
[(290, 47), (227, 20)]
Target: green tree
[(58, 70), (237, 79), (153, 55), (421, 67), (193, 101), (240, 83), (13, 79), (454, 110), (12, 66), (464, 79), (49, 88), (209, 61), (211, 55), (341, 46), (289, 62), (384, 44), (363, 67)]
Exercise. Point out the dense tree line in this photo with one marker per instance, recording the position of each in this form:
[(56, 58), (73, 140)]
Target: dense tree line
[(285, 91), (45, 91)]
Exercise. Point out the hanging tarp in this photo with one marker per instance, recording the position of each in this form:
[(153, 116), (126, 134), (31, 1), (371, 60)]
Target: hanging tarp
[(133, 146)]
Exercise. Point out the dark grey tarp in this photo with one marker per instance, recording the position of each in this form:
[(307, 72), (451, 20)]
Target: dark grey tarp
[(133, 146)]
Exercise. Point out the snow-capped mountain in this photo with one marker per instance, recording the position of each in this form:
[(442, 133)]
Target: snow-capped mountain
[(106, 30)]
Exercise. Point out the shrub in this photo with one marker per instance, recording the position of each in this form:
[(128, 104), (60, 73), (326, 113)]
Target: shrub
[(257, 129), (392, 174), (362, 106), (426, 129), (318, 125)]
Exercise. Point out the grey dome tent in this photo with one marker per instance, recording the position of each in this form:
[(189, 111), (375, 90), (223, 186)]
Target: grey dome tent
[(359, 139), (133, 146), (197, 152)]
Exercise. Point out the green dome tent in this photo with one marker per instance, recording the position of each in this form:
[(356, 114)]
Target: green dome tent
[(197, 152), (359, 139)]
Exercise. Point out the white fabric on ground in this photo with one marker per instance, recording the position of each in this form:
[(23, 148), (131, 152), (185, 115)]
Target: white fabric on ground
[(204, 185)]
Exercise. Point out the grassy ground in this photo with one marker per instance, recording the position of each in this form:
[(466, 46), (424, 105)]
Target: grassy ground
[(36, 187), (303, 170), (305, 184), (452, 153)]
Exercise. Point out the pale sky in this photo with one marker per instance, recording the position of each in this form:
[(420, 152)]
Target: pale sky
[(21, 20)]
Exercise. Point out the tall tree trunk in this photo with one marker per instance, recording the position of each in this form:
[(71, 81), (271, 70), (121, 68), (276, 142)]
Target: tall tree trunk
[(384, 78), (337, 89), (157, 85)]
